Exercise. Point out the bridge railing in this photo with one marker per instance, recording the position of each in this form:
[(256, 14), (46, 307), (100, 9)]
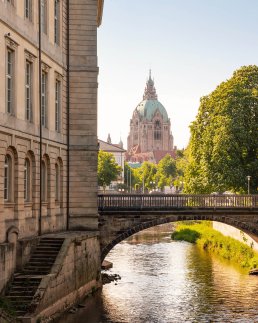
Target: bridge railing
[(174, 201)]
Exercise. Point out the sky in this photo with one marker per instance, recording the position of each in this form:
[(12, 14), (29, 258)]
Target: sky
[(191, 46)]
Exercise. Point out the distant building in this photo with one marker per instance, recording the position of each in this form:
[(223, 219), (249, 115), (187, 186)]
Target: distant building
[(150, 137), (119, 154)]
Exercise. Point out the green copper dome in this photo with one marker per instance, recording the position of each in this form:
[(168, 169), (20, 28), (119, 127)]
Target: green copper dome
[(150, 103), (147, 109)]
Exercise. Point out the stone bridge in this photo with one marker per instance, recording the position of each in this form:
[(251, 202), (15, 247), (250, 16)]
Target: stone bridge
[(124, 215)]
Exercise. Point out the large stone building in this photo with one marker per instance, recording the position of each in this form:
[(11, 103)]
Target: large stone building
[(48, 120), (150, 137)]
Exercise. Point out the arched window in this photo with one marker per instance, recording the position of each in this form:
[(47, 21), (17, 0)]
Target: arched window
[(57, 183), (43, 181), (7, 178), (157, 130), (27, 179)]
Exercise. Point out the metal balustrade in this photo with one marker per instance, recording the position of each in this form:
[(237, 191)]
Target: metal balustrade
[(120, 202)]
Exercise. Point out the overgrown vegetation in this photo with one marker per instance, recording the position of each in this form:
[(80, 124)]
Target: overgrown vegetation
[(211, 240), (6, 306)]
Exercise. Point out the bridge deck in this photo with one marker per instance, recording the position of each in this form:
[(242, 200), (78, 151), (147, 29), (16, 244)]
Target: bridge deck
[(176, 202)]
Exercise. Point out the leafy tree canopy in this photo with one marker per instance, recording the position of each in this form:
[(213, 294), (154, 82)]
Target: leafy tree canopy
[(223, 147), (108, 169), (166, 171)]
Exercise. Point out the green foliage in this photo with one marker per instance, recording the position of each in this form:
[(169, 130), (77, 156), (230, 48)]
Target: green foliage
[(186, 235), (223, 147), (146, 175), (213, 241), (166, 172), (108, 169), (7, 306)]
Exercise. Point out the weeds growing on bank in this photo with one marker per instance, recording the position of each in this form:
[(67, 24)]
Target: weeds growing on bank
[(211, 240)]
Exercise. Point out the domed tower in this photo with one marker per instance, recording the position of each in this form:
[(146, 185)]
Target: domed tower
[(150, 136)]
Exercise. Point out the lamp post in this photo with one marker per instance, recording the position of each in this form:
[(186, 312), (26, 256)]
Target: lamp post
[(248, 183), (129, 180)]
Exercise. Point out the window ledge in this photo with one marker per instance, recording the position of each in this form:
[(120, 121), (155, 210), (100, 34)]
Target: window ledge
[(8, 204), (27, 203)]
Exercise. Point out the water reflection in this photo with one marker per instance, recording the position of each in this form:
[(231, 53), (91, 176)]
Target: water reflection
[(171, 282)]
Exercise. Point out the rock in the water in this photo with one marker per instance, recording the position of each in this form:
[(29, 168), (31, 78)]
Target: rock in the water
[(253, 272)]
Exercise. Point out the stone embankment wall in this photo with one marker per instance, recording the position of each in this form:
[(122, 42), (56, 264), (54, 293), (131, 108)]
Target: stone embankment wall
[(7, 261), (75, 274), (237, 234)]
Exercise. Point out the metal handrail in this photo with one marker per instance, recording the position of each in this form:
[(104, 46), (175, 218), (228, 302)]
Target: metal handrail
[(175, 201)]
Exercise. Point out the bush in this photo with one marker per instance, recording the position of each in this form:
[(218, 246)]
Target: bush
[(211, 240)]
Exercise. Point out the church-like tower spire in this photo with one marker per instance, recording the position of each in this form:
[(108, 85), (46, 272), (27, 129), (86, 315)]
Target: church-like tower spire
[(150, 91)]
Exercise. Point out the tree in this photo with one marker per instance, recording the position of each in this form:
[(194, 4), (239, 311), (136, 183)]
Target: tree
[(108, 169), (130, 177), (166, 171), (146, 175), (223, 147)]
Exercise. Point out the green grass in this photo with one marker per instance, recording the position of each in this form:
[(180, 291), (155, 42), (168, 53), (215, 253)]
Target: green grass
[(213, 241)]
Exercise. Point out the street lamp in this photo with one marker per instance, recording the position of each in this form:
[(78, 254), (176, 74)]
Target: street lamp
[(248, 183)]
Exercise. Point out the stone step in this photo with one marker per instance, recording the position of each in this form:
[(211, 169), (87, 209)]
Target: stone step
[(42, 265), (52, 239), (20, 313), (22, 292), (46, 254), (53, 244), (41, 262), (43, 258), (45, 240), (18, 299), (46, 248), (34, 272), (25, 283), (37, 268)]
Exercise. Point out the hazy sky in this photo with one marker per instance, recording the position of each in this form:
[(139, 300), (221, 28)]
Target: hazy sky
[(190, 45)]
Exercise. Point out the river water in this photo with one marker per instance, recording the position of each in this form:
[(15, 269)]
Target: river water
[(164, 281)]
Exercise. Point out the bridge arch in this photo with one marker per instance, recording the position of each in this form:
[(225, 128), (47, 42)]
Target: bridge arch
[(108, 242)]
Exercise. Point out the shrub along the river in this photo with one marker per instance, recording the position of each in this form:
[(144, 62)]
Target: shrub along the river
[(211, 240)]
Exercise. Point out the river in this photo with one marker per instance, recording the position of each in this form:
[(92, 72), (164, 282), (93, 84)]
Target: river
[(164, 281)]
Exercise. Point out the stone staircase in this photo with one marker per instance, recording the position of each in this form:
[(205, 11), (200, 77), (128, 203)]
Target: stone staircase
[(25, 284)]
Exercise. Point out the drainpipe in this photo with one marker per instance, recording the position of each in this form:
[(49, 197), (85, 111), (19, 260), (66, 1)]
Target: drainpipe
[(40, 125), (68, 118)]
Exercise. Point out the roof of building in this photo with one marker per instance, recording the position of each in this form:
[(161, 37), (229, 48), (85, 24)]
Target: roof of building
[(148, 108), (105, 146), (152, 156), (150, 104)]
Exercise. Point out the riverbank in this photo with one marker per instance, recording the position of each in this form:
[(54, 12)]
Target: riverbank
[(213, 241)]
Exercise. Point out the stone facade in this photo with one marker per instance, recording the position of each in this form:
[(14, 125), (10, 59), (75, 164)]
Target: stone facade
[(48, 119), (150, 137)]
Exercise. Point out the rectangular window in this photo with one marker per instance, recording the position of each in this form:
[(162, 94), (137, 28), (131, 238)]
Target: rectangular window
[(28, 90), (9, 80), (57, 105), (44, 16), (44, 99), (57, 21), (28, 9)]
